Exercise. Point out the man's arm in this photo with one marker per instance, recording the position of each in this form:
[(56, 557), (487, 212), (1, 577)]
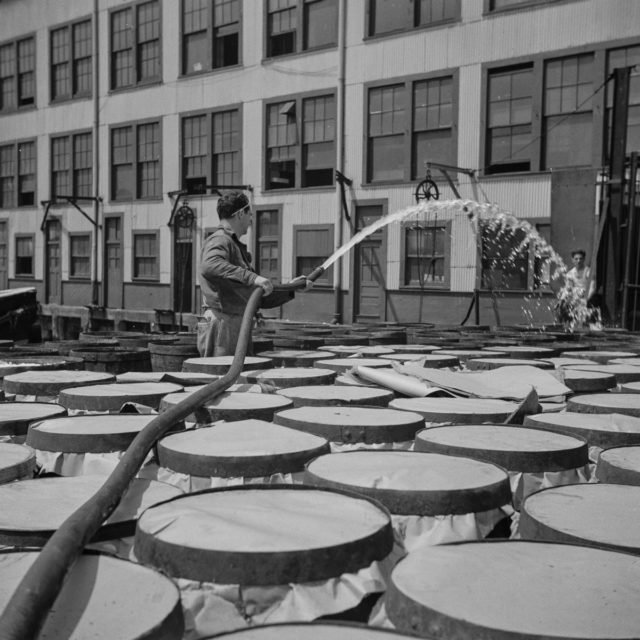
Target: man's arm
[(216, 265)]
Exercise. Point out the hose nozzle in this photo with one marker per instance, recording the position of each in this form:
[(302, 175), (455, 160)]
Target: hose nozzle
[(316, 273)]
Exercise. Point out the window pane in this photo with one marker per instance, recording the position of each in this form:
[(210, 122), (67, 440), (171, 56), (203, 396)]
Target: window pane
[(433, 146), (145, 250), (568, 140), (436, 10), (386, 158), (320, 23), (505, 257), (390, 15)]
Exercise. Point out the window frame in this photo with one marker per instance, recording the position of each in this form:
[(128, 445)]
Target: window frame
[(278, 208), (15, 42), (76, 235), (298, 99), (71, 137), (156, 269), (19, 274), (137, 83), (488, 9), (135, 126), (299, 48), (436, 286), (15, 204), (325, 280), (408, 83), (70, 61)]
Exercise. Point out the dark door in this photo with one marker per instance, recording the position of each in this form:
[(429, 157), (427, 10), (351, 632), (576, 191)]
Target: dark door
[(113, 280), (183, 269), (53, 277), (4, 281), (369, 268)]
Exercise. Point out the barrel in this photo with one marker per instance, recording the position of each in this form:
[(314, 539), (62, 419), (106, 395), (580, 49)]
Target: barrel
[(113, 359), (622, 372), (285, 377), (457, 410), (44, 386), (332, 395), (619, 465), (625, 403), (16, 417), (170, 357), (17, 462), (312, 631)]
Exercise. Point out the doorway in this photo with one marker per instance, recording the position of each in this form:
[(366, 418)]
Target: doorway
[(113, 279), (53, 279), (182, 269)]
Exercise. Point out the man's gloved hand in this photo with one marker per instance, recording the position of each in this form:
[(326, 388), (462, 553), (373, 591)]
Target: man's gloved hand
[(265, 283), (302, 280)]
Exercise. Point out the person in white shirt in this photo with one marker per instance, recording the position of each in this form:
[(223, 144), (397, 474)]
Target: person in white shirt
[(579, 276), (573, 306)]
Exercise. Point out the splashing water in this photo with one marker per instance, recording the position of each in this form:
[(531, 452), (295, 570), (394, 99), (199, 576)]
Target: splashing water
[(510, 240)]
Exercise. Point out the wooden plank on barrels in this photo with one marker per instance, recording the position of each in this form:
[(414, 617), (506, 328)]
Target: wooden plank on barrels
[(50, 383), (284, 377), (263, 535), (16, 462), (619, 465), (16, 417), (410, 483), (111, 397), (320, 395), (520, 449), (625, 403), (100, 593), (245, 448), (353, 424), (219, 365), (457, 410)]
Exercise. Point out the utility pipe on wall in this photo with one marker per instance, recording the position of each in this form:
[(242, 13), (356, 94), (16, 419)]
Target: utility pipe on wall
[(96, 155)]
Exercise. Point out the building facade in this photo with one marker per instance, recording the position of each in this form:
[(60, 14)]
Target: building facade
[(115, 117)]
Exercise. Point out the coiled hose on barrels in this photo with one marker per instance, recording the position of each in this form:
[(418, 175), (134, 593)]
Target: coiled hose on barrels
[(31, 602)]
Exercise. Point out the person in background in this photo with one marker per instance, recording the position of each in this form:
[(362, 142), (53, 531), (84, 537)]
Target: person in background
[(579, 276), (575, 307), (226, 276)]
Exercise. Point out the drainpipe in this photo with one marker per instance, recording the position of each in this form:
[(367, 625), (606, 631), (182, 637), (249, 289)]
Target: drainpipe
[(96, 155), (340, 154)]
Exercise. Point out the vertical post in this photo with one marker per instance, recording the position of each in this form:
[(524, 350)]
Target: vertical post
[(96, 155), (632, 245)]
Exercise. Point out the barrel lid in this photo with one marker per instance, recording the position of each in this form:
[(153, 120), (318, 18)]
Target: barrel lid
[(493, 363), (412, 348), (521, 589), (87, 434), (322, 395), (526, 352), (177, 377), (111, 397), (602, 430), (634, 362), (588, 381), (409, 483), (31, 510), (16, 462), (49, 383), (219, 365), (359, 350), (144, 603), (602, 357), (435, 360), (460, 410), (521, 449), (604, 515), (16, 417), (283, 377), (622, 372), (312, 631), (353, 424), (295, 358), (568, 361), (344, 364), (469, 354), (246, 448), (263, 535), (16, 364), (627, 403), (619, 465)]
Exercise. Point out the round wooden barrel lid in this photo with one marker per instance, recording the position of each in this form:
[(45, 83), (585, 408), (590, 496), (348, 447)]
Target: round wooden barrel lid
[(634, 362), (16, 417), (31, 510), (622, 372), (361, 351), (508, 590), (603, 515), (457, 410), (111, 397), (522, 449), (476, 364), (413, 348), (246, 448), (353, 424), (429, 360), (219, 365), (523, 352), (50, 383), (602, 357), (566, 361), (619, 465), (630, 387), (16, 462), (312, 631), (471, 354), (284, 377), (321, 395), (234, 405), (263, 535), (589, 381), (177, 377), (101, 593), (626, 403), (293, 358), (17, 364), (340, 365), (409, 483), (301, 342), (87, 434), (600, 430)]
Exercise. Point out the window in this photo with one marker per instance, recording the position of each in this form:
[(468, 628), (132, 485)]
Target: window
[(24, 256), (300, 25), (71, 61), (388, 16), (497, 5), (210, 34), (17, 74), (426, 255), (71, 165), (145, 255), (80, 255), (135, 162), (211, 148), (568, 117), (135, 45), (301, 142), (18, 175), (430, 105), (267, 234), (313, 244)]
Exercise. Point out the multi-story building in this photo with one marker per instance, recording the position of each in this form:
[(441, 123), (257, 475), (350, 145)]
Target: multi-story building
[(115, 114)]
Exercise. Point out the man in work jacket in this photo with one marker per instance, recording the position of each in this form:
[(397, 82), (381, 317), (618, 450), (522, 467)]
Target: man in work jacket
[(226, 275)]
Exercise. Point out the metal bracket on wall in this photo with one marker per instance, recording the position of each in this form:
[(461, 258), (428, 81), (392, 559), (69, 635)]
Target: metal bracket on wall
[(342, 180), (73, 201)]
